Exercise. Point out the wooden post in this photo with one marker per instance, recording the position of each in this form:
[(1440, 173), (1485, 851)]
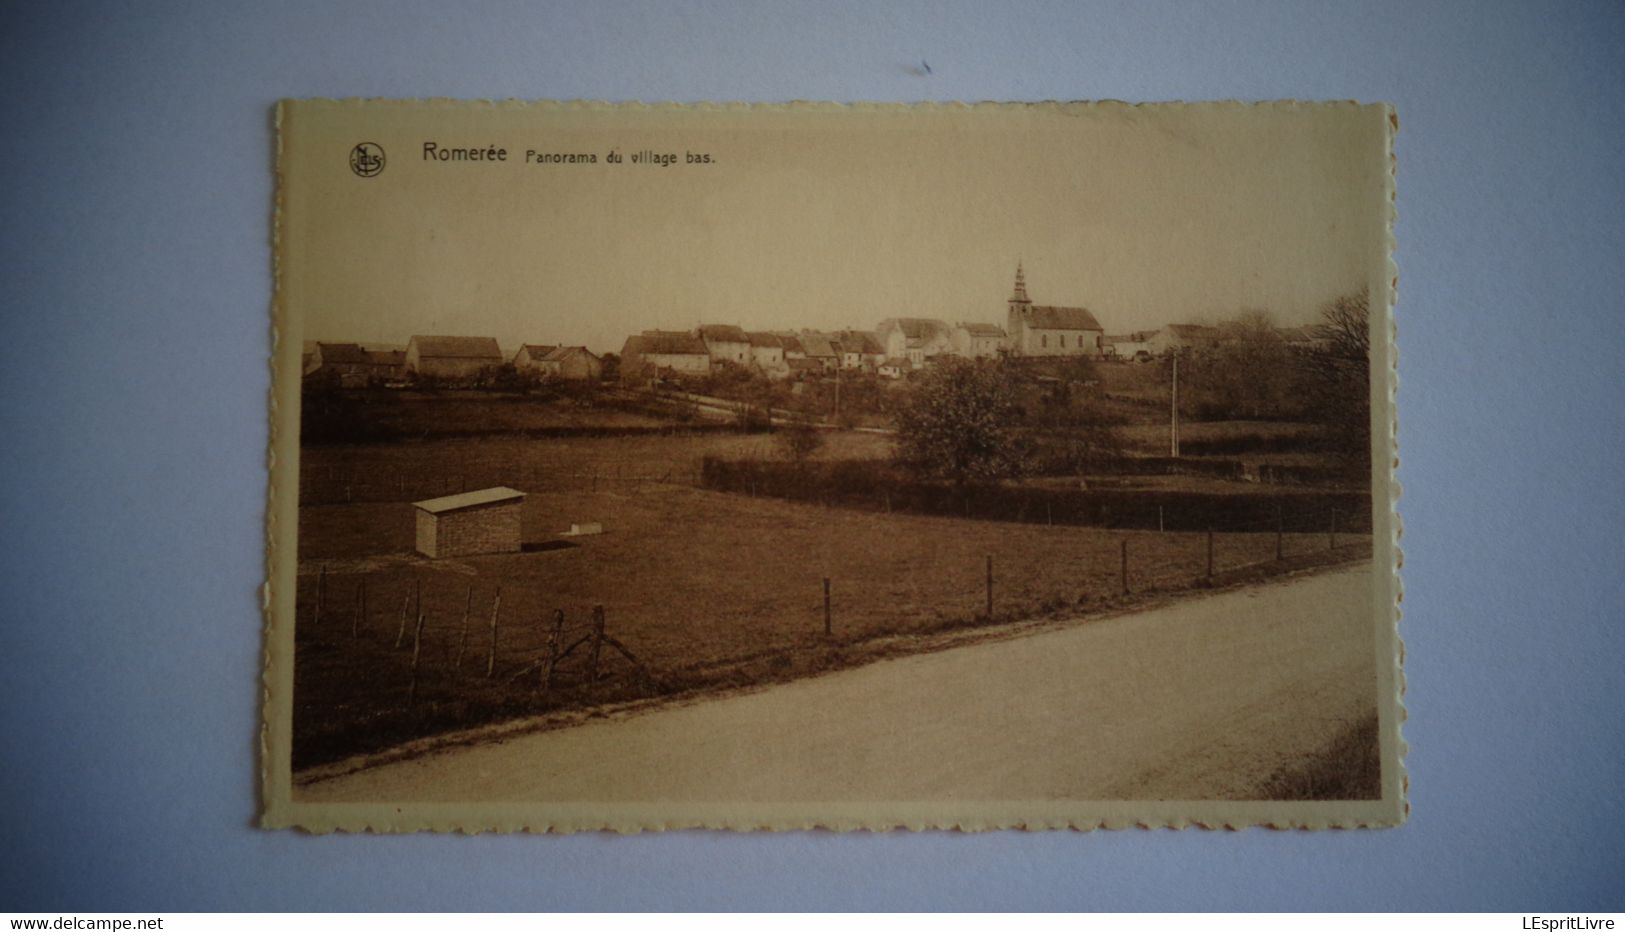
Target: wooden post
[(827, 627), (360, 609), (1124, 571), (1278, 531), (990, 587), (597, 643), (321, 583), (417, 649), (491, 657), (553, 639), (1049, 513), (1159, 518), (400, 483), (462, 637), (1210, 551), (1331, 538), (400, 632)]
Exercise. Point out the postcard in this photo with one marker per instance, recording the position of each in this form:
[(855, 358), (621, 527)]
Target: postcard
[(764, 467)]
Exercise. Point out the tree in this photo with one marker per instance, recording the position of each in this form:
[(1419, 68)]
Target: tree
[(1340, 374), (958, 422), (799, 441)]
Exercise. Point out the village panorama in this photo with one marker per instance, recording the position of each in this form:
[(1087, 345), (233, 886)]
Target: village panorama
[(516, 537)]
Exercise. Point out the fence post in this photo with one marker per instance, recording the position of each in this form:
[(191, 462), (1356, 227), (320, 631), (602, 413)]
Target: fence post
[(360, 609), (1049, 513), (1159, 518), (491, 656), (826, 607), (462, 636), (400, 632), (1278, 529), (417, 649), (597, 643), (321, 583), (553, 641), (990, 587), (1331, 538), (1210, 551), (1124, 572)]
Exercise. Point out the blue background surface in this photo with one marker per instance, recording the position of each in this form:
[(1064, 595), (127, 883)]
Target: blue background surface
[(136, 152)]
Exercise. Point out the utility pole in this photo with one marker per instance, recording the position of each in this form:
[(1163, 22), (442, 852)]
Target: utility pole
[(1173, 414)]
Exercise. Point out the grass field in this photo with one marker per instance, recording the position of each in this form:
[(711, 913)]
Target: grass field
[(697, 584)]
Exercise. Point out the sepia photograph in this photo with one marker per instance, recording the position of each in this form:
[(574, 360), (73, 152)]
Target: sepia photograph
[(872, 466)]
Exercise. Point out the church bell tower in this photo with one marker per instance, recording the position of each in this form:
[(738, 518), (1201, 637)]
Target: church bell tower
[(1020, 306)]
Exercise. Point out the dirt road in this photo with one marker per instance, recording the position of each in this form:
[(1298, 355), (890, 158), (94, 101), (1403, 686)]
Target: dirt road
[(1196, 700)]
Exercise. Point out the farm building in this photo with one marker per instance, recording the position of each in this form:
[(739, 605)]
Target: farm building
[(1183, 338), (1135, 346), (484, 521), (767, 354), (560, 362), (1044, 330), (726, 343), (451, 357), (978, 341), (654, 352), (820, 348), (915, 338), (861, 349), (351, 366)]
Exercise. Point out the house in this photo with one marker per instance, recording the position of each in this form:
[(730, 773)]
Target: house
[(977, 341), (484, 521), (917, 338), (792, 346), (388, 364), (1047, 330), (1183, 339), (822, 348), (1129, 346), (351, 366), (451, 357), (725, 343), (575, 363), (654, 353), (1310, 338), (861, 349), (895, 367), (767, 354)]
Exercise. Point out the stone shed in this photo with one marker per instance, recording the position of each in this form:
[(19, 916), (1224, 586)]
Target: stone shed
[(482, 521)]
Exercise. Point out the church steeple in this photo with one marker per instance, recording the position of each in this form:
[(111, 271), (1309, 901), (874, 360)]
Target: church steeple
[(1020, 296)]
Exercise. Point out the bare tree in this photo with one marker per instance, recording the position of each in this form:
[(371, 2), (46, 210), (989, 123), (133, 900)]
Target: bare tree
[(1340, 374)]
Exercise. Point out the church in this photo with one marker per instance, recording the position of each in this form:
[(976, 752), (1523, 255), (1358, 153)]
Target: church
[(1045, 330)]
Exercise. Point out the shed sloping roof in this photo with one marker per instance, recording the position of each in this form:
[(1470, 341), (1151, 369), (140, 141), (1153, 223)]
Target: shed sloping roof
[(862, 341), (766, 339), (473, 499), (1045, 317), (723, 333), (458, 347)]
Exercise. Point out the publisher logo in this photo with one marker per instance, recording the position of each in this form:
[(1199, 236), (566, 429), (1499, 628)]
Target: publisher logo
[(367, 159)]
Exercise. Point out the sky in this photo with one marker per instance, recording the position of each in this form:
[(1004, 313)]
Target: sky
[(820, 218)]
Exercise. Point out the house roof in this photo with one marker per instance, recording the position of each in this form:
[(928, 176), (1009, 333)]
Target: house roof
[(898, 362), (473, 499), (983, 330), (766, 339), (1139, 336), (816, 344), (862, 341), (387, 357), (723, 333), (537, 350), (791, 344), (565, 352), (665, 343), (1195, 332), (1046, 317), (342, 353), (457, 347), (916, 328)]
